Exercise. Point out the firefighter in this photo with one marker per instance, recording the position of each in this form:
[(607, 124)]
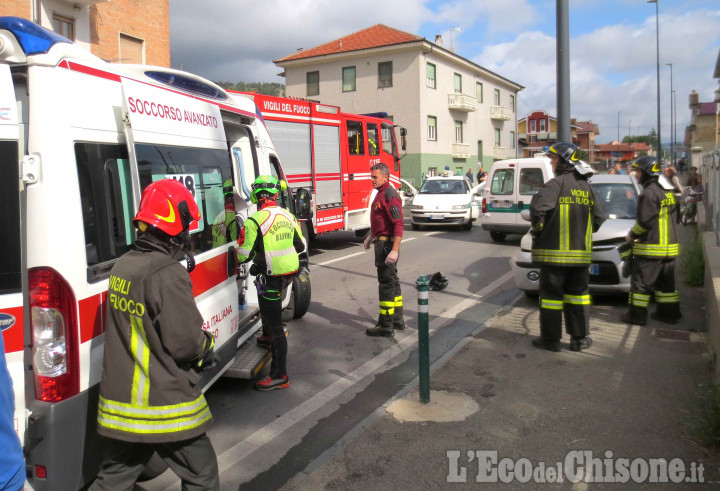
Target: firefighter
[(272, 239), (155, 347), (386, 230), (654, 248), (564, 215), (225, 225)]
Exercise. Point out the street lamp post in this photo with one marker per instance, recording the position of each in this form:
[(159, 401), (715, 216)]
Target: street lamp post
[(657, 32), (672, 136), (618, 140)]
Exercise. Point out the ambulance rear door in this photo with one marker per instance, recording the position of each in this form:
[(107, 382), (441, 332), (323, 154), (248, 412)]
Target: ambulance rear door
[(11, 244), (171, 135)]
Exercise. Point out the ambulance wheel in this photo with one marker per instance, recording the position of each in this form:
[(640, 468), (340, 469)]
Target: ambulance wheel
[(498, 236), (299, 297), (153, 469)]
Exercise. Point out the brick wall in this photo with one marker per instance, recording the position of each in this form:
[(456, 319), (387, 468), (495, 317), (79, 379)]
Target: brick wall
[(15, 8), (148, 20)]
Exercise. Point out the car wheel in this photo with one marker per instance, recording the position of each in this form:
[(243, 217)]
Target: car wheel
[(415, 226), (466, 226), (498, 236), (531, 293)]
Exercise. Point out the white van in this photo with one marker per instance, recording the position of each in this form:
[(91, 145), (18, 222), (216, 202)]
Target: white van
[(79, 140), (508, 190)]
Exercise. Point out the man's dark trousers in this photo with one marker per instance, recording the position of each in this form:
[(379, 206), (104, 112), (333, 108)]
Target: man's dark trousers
[(388, 288), (564, 289)]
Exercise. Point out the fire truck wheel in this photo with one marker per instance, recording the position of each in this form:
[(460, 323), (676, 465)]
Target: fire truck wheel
[(153, 469)]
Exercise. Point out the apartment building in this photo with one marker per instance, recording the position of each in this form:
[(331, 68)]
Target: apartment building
[(457, 113), (120, 31)]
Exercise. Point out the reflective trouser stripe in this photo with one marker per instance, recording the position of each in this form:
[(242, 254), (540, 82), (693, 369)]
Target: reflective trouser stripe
[(551, 304), (387, 308), (141, 354), (398, 302), (638, 299), (667, 297), (577, 299)]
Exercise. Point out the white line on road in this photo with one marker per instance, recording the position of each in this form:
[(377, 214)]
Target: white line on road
[(352, 255)]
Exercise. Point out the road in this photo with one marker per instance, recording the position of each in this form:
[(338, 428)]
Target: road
[(338, 375)]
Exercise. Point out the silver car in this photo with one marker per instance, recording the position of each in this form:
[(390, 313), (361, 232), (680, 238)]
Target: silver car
[(618, 195)]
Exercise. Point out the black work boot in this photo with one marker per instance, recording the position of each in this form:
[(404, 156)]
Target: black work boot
[(387, 332), (636, 315), (541, 343), (577, 344)]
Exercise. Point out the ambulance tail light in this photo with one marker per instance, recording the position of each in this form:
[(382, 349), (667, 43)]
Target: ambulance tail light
[(484, 205), (54, 336)]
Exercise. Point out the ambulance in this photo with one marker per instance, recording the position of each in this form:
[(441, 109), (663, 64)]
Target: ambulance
[(327, 155), (79, 140)]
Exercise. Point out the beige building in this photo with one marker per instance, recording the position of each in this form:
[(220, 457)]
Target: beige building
[(457, 113), (120, 31)]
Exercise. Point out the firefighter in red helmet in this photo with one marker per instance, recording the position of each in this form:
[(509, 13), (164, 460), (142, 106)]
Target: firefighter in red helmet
[(150, 396)]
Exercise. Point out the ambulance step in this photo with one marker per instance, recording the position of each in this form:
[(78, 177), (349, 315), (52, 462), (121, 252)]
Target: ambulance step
[(249, 360)]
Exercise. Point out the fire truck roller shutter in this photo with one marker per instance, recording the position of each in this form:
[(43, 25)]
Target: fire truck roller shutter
[(292, 142), (327, 164)]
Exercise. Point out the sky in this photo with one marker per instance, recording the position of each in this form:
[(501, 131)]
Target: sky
[(613, 64)]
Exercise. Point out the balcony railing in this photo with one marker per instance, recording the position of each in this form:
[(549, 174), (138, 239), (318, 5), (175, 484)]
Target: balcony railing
[(499, 153), (500, 112), (462, 102), (461, 150)]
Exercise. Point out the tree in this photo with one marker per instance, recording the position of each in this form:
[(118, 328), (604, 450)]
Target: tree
[(265, 88), (650, 139)]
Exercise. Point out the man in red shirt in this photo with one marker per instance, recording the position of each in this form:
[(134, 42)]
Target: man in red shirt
[(386, 229)]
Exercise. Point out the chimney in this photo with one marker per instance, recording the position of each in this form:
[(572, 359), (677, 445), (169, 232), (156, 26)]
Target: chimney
[(438, 40), (694, 101)]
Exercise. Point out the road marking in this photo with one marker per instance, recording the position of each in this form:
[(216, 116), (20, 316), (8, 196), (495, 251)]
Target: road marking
[(351, 255)]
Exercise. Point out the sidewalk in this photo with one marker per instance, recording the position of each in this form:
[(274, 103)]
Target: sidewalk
[(632, 395)]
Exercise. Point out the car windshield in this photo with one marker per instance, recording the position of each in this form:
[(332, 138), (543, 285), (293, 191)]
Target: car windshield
[(619, 200), (454, 186)]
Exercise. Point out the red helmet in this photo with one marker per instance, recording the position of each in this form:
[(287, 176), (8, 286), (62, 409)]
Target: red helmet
[(167, 205)]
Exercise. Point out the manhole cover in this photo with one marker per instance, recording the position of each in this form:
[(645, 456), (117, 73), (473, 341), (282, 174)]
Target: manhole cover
[(669, 334)]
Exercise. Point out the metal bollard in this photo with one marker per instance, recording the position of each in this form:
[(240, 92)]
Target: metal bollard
[(423, 285)]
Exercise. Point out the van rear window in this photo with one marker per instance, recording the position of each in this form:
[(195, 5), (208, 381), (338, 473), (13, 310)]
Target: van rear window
[(10, 281), (503, 181)]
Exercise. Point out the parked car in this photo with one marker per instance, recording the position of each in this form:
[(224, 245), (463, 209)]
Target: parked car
[(446, 201), (618, 195)]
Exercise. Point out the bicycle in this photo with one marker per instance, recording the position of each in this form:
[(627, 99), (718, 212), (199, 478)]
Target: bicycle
[(690, 212)]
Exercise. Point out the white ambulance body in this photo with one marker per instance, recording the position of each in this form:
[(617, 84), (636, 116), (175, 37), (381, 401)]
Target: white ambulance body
[(88, 137)]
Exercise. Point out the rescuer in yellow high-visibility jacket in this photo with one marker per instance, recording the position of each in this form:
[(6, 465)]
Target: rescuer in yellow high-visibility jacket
[(564, 216)]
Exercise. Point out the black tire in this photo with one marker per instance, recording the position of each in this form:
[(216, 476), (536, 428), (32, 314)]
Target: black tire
[(362, 232), (153, 469), (415, 226), (498, 236), (299, 296), (466, 226), (531, 294)]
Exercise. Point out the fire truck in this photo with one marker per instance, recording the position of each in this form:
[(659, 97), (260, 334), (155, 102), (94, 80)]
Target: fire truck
[(79, 141), (328, 154)]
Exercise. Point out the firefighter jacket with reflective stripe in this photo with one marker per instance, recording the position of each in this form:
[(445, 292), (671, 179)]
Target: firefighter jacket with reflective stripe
[(386, 213), (148, 392), (654, 228), (274, 235), (564, 216)]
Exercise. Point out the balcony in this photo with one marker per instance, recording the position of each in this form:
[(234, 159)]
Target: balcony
[(461, 150), (87, 3), (499, 153), (500, 112), (462, 102)]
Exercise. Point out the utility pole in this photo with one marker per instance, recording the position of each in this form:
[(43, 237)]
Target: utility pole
[(672, 137), (563, 71), (657, 35)]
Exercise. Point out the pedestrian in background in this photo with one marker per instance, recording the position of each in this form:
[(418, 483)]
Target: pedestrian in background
[(272, 239), (469, 176), (564, 214), (619, 170), (671, 174), (386, 230), (481, 175), (654, 249), (150, 394), (692, 178)]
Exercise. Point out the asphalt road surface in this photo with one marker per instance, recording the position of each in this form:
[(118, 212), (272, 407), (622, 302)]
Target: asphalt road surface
[(338, 375)]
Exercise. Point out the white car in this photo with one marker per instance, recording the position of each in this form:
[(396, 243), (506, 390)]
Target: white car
[(446, 201), (618, 195)]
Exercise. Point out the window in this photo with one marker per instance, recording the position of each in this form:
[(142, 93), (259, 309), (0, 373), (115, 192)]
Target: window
[(512, 103), (480, 151), (458, 83), (10, 278), (64, 26), (542, 125), (348, 77), (131, 50), (356, 141), (533, 138), (373, 143), (459, 171), (458, 132), (502, 181), (430, 75), (313, 83), (432, 128), (531, 180), (445, 186), (497, 97), (388, 139), (385, 74), (532, 126), (497, 137), (479, 92), (512, 139)]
